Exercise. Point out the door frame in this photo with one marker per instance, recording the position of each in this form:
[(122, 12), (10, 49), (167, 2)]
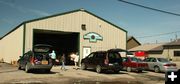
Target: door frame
[(83, 50)]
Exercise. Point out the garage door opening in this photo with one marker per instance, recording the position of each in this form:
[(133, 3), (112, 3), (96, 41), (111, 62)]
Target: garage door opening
[(62, 42)]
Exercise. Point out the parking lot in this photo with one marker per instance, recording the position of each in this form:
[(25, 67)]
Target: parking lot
[(10, 74)]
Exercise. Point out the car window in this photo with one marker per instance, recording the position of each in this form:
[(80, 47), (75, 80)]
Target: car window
[(91, 55), (134, 59), (41, 49), (25, 55), (153, 60), (147, 60), (100, 55), (124, 59), (162, 60), (114, 57), (139, 60)]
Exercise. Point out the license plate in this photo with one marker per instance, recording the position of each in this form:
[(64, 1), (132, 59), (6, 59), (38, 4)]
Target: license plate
[(44, 62)]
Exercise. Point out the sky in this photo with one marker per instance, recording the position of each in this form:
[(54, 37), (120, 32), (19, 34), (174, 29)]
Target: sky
[(139, 22)]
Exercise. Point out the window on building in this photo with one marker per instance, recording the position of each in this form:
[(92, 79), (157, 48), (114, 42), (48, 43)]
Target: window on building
[(83, 27), (176, 53)]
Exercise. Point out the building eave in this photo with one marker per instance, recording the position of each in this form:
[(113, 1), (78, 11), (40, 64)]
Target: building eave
[(59, 14)]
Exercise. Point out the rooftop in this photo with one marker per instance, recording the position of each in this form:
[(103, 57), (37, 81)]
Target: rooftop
[(131, 37), (176, 42), (148, 47)]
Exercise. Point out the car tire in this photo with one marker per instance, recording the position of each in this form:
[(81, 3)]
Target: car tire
[(128, 69), (98, 69), (83, 66), (19, 67), (139, 71), (156, 69), (26, 68)]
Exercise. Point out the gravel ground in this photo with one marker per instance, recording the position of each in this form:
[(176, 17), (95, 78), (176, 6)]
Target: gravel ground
[(10, 74)]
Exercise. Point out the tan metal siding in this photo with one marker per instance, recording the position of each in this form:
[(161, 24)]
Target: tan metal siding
[(12, 45), (66, 23), (1, 55), (112, 36), (169, 53)]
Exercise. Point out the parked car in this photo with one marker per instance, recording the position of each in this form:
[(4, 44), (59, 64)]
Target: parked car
[(38, 58), (104, 60), (133, 64), (160, 64)]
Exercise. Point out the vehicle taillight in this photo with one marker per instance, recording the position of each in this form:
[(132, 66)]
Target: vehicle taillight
[(32, 60), (173, 64), (106, 61), (170, 65)]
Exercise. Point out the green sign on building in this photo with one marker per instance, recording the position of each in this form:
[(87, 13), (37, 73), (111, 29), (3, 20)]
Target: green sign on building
[(93, 37)]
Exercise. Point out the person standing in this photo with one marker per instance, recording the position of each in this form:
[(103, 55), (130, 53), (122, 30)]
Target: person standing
[(53, 57), (63, 59), (75, 58)]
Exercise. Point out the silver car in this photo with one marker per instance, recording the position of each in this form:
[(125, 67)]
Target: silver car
[(160, 64)]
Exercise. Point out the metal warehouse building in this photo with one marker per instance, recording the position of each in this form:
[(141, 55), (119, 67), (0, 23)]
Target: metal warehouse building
[(77, 30)]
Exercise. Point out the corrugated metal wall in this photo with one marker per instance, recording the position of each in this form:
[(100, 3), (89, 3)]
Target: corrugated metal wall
[(12, 45), (169, 53), (112, 36), (1, 59)]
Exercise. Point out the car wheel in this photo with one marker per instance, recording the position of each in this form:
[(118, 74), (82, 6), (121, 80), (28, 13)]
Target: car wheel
[(19, 67), (139, 71), (98, 69), (156, 69), (27, 68), (128, 69), (83, 66)]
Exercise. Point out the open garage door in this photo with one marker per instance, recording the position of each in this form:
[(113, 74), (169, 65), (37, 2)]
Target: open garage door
[(62, 42)]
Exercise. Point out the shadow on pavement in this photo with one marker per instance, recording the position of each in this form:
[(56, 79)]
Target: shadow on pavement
[(103, 82), (8, 71), (106, 72), (42, 72)]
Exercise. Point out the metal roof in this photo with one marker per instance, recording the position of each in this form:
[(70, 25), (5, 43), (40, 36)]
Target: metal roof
[(148, 47), (46, 17), (131, 37), (176, 42)]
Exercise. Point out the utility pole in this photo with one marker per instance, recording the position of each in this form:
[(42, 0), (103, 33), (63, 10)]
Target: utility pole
[(156, 41), (176, 37)]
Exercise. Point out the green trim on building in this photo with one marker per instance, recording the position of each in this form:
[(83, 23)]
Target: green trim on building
[(126, 39), (33, 38), (64, 14), (59, 14), (106, 21), (79, 47), (13, 30), (24, 37)]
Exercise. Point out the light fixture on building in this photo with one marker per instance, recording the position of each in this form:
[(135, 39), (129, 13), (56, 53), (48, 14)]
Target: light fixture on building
[(83, 27)]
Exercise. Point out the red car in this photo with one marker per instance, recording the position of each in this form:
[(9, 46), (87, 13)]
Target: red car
[(133, 64)]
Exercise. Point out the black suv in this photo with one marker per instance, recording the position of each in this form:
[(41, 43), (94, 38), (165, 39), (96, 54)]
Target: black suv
[(104, 60), (38, 58)]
